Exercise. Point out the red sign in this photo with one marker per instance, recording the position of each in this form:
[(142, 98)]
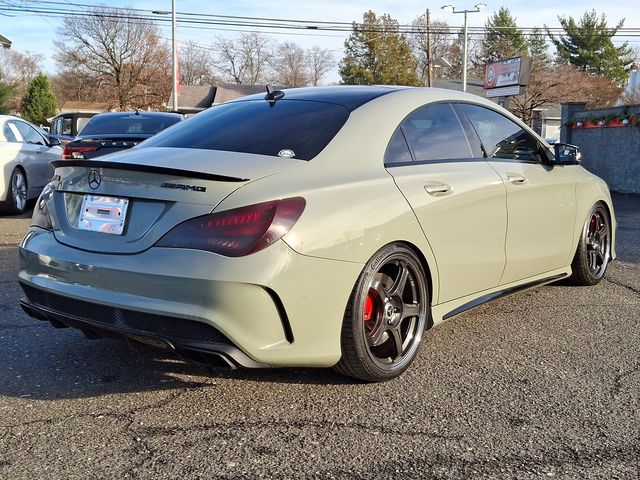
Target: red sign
[(507, 73)]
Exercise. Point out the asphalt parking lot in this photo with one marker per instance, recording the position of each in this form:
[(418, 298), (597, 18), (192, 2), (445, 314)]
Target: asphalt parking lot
[(537, 385)]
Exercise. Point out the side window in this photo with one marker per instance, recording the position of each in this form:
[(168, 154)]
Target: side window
[(80, 123), (56, 127), (501, 137), (435, 133), (398, 150), (66, 125), (29, 134), (9, 135)]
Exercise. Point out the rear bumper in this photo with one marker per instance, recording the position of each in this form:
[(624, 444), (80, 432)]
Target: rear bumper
[(272, 308), (193, 341)]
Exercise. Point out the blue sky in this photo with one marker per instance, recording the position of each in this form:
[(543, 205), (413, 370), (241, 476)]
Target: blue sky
[(36, 33)]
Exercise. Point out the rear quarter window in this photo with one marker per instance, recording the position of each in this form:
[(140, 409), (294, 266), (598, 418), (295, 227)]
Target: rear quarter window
[(290, 128)]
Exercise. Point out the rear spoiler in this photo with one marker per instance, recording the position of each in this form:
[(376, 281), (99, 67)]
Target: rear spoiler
[(136, 167)]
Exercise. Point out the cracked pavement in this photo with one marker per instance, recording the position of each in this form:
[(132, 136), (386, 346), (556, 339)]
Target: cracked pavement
[(545, 383)]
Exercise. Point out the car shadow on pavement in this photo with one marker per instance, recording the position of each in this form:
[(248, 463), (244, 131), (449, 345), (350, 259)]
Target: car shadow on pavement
[(69, 366)]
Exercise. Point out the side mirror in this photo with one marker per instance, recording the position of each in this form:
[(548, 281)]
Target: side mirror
[(54, 141), (566, 154)]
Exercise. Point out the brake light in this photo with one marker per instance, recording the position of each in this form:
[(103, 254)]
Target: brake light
[(76, 151), (237, 232)]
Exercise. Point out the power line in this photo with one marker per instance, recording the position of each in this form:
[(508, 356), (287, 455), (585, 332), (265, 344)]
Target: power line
[(215, 22)]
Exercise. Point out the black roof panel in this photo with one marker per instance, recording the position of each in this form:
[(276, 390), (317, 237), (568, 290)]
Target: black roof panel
[(349, 96)]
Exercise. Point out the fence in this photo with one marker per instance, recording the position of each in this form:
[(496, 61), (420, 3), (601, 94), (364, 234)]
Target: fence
[(609, 140)]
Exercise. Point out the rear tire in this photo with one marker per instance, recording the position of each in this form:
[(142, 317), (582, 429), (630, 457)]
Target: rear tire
[(16, 201), (594, 248), (385, 317)]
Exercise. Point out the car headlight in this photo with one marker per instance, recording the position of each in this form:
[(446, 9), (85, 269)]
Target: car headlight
[(41, 217)]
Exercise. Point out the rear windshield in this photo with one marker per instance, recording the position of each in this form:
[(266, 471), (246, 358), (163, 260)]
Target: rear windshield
[(286, 128), (128, 123)]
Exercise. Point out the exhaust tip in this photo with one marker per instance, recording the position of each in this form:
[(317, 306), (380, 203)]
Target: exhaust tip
[(211, 359)]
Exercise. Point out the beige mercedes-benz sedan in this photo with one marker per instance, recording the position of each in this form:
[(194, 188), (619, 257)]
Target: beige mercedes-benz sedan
[(327, 226)]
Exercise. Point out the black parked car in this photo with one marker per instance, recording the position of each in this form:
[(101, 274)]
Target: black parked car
[(114, 131)]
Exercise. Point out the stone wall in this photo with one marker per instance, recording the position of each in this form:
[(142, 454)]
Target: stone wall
[(611, 152)]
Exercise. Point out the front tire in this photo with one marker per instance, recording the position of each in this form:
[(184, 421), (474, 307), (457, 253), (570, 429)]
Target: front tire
[(594, 248), (385, 317), (16, 201)]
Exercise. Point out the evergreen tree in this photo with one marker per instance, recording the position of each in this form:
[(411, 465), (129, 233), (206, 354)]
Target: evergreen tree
[(377, 53), (39, 103), (503, 38), (6, 90), (587, 44), (538, 48)]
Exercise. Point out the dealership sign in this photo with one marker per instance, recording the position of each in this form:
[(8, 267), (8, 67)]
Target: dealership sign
[(506, 77)]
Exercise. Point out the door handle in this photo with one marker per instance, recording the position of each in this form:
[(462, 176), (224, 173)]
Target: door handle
[(437, 189), (516, 178)]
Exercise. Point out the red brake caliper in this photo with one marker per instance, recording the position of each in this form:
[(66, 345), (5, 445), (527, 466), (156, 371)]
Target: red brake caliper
[(368, 307)]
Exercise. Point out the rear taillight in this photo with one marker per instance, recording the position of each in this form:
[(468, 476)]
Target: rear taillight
[(76, 151), (237, 232)]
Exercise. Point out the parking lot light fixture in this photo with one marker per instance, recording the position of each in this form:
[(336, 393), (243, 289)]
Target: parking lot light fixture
[(465, 54)]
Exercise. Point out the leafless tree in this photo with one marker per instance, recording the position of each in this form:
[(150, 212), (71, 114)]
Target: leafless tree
[(244, 60), (289, 64), (196, 64), (441, 44), (320, 61), (18, 69), (629, 98), (563, 83), (119, 50)]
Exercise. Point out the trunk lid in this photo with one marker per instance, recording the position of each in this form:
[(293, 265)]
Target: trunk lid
[(106, 144), (162, 187)]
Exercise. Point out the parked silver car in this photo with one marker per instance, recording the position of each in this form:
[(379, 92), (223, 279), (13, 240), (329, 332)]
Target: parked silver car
[(25, 153)]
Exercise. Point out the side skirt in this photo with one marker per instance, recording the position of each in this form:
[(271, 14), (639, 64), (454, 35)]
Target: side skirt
[(475, 302)]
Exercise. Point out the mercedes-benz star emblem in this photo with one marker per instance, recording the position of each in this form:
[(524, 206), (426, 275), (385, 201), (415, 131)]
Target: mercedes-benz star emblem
[(95, 179)]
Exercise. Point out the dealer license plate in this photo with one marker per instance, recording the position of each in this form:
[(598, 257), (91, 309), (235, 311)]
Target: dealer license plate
[(103, 214)]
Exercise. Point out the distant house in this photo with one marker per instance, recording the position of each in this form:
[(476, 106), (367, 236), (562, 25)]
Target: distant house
[(195, 98)]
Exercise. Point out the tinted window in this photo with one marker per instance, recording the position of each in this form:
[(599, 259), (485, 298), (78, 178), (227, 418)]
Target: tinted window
[(128, 123), (398, 150), (8, 134), (29, 134), (501, 137), (302, 127), (81, 122), (66, 126), (435, 133), (56, 126)]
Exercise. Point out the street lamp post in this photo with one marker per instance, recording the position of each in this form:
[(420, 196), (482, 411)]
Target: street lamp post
[(174, 54), (465, 53)]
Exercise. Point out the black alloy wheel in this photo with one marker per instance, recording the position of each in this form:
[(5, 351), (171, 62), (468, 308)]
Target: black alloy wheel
[(594, 248), (386, 316)]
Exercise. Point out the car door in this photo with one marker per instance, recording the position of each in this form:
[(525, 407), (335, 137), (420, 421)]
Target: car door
[(37, 155), (457, 197), (541, 199)]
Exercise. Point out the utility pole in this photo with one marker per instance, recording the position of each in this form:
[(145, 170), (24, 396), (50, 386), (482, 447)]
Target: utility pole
[(174, 55), (429, 74)]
